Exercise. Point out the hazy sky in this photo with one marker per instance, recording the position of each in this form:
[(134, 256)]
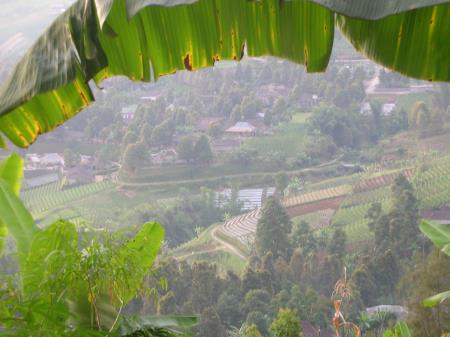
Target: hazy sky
[(29, 17)]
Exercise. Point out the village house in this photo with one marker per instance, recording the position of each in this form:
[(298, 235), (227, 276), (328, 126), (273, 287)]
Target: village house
[(47, 160), (128, 113), (241, 129), (387, 109)]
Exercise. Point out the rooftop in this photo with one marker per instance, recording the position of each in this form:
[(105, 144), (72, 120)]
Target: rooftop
[(241, 127), (131, 109)]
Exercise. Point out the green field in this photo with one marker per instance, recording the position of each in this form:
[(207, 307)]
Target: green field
[(432, 183), (47, 197), (407, 101), (223, 260), (104, 208), (287, 138)]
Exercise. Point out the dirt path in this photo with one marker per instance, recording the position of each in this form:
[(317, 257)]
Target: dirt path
[(223, 246)]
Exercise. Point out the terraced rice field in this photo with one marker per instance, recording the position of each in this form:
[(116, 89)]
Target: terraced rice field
[(47, 197), (242, 227), (432, 184), (314, 196), (31, 195), (353, 220), (317, 220), (336, 182), (380, 181), (370, 196), (339, 206)]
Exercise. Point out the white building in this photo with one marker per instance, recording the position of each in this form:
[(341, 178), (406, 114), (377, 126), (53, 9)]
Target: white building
[(48, 160), (128, 113), (388, 109), (244, 129)]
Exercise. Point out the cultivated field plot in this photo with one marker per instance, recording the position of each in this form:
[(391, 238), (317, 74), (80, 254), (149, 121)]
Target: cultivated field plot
[(380, 180), (432, 183), (316, 220), (47, 197), (243, 226), (339, 206), (287, 138), (314, 196), (370, 196), (348, 215)]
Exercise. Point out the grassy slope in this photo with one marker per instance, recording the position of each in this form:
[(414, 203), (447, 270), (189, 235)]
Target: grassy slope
[(287, 138), (97, 209)]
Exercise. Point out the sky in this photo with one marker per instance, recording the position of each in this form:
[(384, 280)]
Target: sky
[(28, 17), (21, 23)]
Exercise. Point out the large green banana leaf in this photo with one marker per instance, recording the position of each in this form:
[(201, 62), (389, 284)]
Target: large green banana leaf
[(415, 43), (11, 172), (96, 39), (16, 218)]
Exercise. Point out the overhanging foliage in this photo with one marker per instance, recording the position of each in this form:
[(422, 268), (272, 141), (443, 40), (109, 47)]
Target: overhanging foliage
[(143, 40)]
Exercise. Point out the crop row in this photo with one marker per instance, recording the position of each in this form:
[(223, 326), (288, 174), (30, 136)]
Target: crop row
[(357, 231), (336, 182), (432, 184), (367, 197), (47, 199), (380, 181), (355, 214), (316, 196), (242, 226), (37, 192), (316, 220)]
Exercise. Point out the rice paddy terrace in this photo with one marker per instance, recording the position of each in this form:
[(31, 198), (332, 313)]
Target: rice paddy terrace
[(345, 205), (45, 198)]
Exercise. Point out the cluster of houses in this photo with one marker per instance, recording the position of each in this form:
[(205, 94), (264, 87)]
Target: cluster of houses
[(46, 168), (387, 109)]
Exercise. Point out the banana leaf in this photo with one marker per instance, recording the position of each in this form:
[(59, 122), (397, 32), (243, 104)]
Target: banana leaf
[(146, 39), (436, 299), (17, 219), (11, 171), (439, 234), (175, 324), (414, 43)]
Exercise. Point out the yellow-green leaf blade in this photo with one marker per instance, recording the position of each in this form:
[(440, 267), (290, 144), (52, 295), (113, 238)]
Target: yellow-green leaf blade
[(414, 43)]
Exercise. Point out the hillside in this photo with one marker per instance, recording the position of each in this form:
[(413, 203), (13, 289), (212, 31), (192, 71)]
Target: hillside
[(340, 206)]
